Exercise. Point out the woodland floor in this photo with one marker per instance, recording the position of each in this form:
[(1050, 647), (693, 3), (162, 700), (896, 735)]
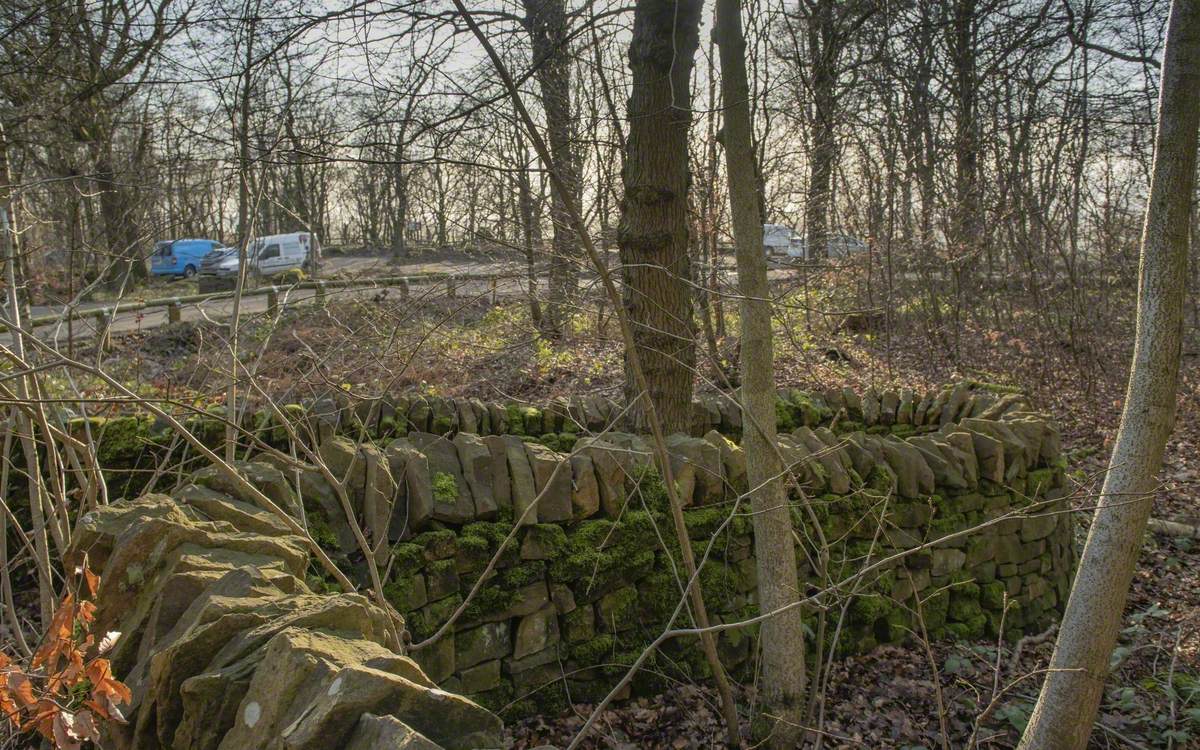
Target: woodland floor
[(1072, 365)]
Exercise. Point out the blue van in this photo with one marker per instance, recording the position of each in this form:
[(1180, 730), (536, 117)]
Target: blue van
[(180, 257)]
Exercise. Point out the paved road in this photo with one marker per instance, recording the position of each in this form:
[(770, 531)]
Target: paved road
[(86, 329)]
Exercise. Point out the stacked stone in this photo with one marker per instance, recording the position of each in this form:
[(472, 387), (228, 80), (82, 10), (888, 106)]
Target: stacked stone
[(425, 480), (125, 440), (902, 412), (591, 574), (589, 577), (225, 646)]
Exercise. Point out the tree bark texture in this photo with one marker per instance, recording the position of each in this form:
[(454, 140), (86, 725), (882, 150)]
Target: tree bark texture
[(653, 232), (546, 21), (782, 636), (1070, 697)]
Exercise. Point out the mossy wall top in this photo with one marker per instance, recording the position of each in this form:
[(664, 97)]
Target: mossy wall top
[(902, 412)]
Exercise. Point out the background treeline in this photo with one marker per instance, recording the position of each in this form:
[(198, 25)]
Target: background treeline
[(1006, 141)]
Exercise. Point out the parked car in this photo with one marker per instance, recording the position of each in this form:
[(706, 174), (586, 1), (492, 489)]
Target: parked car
[(268, 256), (782, 241), (844, 245), (180, 257)]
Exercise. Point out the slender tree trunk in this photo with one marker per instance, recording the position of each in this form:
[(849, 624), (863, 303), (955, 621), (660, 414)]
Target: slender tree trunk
[(782, 636), (1070, 697), (243, 131), (20, 420), (653, 233), (546, 21), (824, 146), (966, 224), (400, 217), (525, 203)]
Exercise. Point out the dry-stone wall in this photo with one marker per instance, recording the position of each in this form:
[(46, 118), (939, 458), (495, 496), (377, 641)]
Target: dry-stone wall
[(213, 587), (591, 575), (226, 647), (559, 423)]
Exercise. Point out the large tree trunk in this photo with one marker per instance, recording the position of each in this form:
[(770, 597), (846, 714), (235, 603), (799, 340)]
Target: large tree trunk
[(782, 636), (653, 233), (546, 21), (1070, 697)]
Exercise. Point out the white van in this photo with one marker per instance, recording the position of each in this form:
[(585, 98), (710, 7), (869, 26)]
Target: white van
[(779, 239), (268, 256)]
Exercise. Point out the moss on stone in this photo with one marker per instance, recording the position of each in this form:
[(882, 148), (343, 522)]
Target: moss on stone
[(934, 607), (407, 559), (496, 699), (618, 610), (866, 609), (492, 531), (595, 571), (442, 424), (594, 534), (997, 388), (474, 553), (941, 526), (964, 602), (438, 544), (426, 621), (119, 441), (847, 426), (969, 629), (549, 538), (639, 530), (579, 624), (488, 601), (658, 594), (719, 583), (596, 651), (811, 412), (1040, 480), (702, 523), (322, 534), (516, 420), (532, 419), (880, 479), (445, 488), (785, 415), (991, 596), (524, 574), (652, 490), (405, 594)]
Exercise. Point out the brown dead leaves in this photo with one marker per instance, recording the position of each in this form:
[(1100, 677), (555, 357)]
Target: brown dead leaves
[(68, 689)]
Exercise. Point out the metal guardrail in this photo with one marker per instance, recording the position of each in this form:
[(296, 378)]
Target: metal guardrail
[(320, 286)]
